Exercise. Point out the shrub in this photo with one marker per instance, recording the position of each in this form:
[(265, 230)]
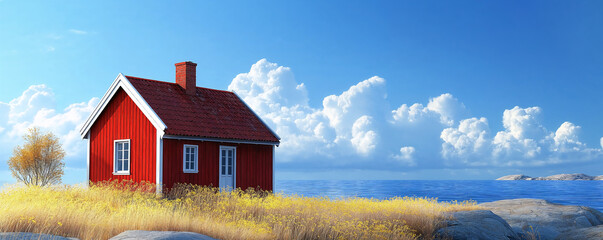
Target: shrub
[(39, 161)]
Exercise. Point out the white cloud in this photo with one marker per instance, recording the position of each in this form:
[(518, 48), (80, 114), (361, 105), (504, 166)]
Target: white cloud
[(523, 122), (567, 139), (26, 106), (360, 99), (35, 108), (469, 138), (523, 142), (78, 32), (364, 139), (519, 141), (602, 142), (344, 122), (356, 126), (414, 114), (406, 156), (448, 107)]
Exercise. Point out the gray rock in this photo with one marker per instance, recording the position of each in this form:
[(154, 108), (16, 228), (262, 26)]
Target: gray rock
[(546, 219), (476, 225), (31, 236), (160, 235), (566, 177), (515, 177), (595, 232), (575, 176)]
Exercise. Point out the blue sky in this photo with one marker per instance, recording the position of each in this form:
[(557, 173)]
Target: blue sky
[(461, 60)]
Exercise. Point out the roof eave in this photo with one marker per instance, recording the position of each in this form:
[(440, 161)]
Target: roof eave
[(225, 140)]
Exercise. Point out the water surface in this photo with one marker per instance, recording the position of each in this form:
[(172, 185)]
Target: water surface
[(583, 193)]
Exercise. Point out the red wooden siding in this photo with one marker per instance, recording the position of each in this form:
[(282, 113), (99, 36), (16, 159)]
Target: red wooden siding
[(253, 164), (122, 119)]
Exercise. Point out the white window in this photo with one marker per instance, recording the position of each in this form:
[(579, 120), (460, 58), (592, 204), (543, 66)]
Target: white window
[(121, 157), (190, 159)]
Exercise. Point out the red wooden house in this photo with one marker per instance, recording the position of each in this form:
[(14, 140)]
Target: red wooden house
[(167, 133)]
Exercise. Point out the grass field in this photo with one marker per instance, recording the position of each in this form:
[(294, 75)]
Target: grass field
[(105, 210)]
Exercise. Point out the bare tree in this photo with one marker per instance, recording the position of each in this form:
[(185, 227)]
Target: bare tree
[(39, 161)]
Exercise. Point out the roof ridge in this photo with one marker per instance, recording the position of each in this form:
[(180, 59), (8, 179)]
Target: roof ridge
[(152, 80)]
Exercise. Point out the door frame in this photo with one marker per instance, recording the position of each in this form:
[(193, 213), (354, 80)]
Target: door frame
[(234, 165)]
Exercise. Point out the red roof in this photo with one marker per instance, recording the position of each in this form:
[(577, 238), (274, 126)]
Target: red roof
[(209, 113)]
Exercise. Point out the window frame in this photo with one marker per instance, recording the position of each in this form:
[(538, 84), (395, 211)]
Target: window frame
[(122, 172), (195, 160)]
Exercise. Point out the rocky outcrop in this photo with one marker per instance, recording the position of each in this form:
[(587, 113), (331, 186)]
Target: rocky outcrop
[(595, 232), (515, 177), (546, 219), (478, 224), (160, 235), (31, 236), (575, 176), (571, 177)]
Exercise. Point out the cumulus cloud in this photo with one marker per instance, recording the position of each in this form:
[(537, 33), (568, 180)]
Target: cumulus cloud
[(523, 142), (357, 126), (406, 156), (446, 108), (567, 139), (353, 126), (363, 139), (36, 108), (344, 125), (469, 138)]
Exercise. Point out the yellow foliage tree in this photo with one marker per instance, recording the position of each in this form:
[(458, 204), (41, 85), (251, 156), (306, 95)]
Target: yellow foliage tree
[(39, 161)]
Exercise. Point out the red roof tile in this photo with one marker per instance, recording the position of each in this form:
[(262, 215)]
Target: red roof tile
[(209, 113)]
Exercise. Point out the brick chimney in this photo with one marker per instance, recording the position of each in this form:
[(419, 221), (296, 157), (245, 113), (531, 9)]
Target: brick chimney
[(186, 76)]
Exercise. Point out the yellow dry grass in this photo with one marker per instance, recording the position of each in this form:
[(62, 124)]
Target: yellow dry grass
[(105, 210)]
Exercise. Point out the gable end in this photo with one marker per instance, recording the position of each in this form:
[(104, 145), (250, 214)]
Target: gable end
[(122, 82)]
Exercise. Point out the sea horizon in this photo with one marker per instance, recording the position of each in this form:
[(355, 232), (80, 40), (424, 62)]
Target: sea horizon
[(581, 193)]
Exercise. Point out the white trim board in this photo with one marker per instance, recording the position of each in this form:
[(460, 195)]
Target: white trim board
[(88, 140), (122, 82), (159, 163), (273, 167)]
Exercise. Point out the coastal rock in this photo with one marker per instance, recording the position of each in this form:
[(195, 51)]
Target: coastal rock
[(31, 236), (515, 177), (160, 235), (476, 225), (565, 177), (575, 176), (595, 232), (544, 218)]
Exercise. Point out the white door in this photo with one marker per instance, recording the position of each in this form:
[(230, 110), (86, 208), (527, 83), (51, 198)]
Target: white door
[(227, 167)]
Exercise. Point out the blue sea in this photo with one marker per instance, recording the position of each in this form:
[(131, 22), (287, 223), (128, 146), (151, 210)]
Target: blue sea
[(583, 193)]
